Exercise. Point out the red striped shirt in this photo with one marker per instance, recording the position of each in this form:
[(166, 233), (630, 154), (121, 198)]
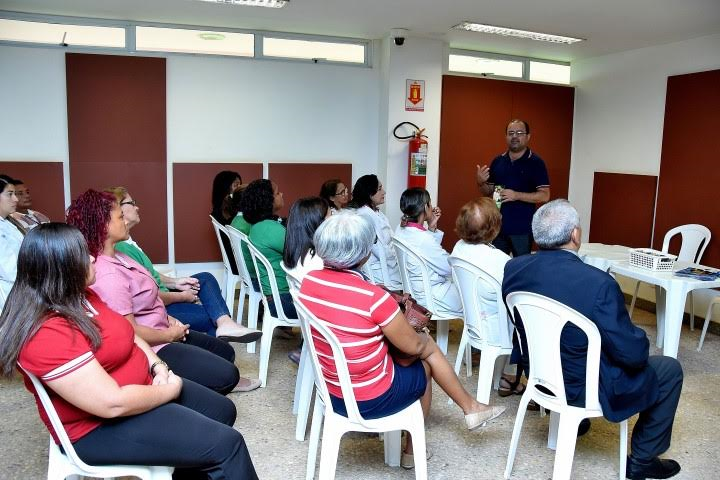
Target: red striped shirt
[(355, 311)]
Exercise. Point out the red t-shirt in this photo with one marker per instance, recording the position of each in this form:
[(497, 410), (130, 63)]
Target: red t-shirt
[(58, 348), (354, 310)]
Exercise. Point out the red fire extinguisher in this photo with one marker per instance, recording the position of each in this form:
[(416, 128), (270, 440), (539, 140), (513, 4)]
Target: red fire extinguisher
[(417, 155)]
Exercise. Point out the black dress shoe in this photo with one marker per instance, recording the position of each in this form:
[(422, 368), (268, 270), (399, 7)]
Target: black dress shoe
[(584, 427), (655, 468)]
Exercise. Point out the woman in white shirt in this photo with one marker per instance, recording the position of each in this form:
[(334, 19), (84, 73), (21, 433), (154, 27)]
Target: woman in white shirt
[(477, 225), (368, 194), (418, 229), (10, 237)]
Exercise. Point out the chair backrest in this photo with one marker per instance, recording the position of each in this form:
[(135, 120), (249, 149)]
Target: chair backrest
[(236, 237), (694, 241), (409, 259), (476, 285), (55, 421), (544, 319), (221, 231), (293, 281), (312, 327), (260, 259)]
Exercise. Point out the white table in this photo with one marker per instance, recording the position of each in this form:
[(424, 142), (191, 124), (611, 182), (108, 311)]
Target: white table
[(670, 291)]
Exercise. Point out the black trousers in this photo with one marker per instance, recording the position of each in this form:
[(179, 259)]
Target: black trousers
[(652, 432), (203, 359), (193, 434), (514, 245)]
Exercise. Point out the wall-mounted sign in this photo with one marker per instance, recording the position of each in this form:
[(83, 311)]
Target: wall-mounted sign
[(414, 95)]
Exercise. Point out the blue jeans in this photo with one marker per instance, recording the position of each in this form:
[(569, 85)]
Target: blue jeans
[(202, 317)]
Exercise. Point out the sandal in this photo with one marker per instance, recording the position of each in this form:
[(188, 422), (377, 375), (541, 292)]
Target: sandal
[(507, 388)]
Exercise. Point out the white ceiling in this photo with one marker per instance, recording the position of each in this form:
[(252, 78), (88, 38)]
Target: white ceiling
[(608, 25)]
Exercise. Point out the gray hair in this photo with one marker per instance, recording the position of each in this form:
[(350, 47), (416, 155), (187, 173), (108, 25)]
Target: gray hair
[(344, 239), (553, 224)]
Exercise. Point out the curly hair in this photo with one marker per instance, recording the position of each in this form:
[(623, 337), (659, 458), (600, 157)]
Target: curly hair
[(478, 221), (256, 204), (90, 213)]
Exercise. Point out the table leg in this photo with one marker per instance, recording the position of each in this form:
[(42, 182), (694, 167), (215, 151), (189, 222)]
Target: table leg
[(660, 314), (674, 309)]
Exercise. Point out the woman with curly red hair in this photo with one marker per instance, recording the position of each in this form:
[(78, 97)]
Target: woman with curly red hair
[(130, 290)]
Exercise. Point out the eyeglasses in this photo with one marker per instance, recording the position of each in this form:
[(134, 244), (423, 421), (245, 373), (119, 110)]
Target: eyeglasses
[(132, 202), (344, 191), (518, 133)]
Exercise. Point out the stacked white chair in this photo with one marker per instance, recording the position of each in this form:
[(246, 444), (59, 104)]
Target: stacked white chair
[(544, 319), (493, 339), (231, 279), (335, 425), (695, 239), (270, 322), (404, 253), (63, 465), (246, 286)]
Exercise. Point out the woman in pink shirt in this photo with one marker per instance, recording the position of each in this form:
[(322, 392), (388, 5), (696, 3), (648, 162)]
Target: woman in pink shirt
[(129, 289)]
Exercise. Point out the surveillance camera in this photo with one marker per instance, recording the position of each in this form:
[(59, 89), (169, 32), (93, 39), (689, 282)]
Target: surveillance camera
[(398, 35)]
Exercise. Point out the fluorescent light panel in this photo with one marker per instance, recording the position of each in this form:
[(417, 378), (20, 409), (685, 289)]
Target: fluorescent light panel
[(54, 33), (511, 32), (252, 3)]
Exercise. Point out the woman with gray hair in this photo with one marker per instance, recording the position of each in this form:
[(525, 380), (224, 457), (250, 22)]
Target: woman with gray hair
[(365, 319)]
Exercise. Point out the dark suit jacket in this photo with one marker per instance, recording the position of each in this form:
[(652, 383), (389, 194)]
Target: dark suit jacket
[(627, 384)]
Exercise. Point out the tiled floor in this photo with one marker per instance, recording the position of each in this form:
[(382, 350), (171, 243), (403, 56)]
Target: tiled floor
[(266, 421)]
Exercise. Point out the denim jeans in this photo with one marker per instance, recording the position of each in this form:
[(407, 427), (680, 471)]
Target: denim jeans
[(202, 317)]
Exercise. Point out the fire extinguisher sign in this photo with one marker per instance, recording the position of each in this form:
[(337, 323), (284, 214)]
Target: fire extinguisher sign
[(414, 95)]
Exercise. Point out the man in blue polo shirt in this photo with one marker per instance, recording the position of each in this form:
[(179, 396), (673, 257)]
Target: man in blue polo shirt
[(523, 181)]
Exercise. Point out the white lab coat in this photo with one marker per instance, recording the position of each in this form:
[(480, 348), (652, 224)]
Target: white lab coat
[(382, 249), (444, 292), (10, 240)]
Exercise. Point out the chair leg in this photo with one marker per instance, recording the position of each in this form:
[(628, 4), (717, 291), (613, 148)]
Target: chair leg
[(567, 436), (329, 451), (241, 304), (303, 401), (486, 373), (265, 344), (708, 316), (443, 327), (522, 408), (392, 445), (623, 448), (317, 421), (462, 349), (253, 311), (419, 451), (632, 303), (468, 360), (692, 310), (553, 430)]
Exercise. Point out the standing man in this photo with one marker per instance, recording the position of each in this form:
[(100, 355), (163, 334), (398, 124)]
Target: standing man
[(29, 219), (631, 381), (522, 181)]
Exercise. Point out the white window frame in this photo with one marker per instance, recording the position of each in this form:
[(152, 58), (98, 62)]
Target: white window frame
[(497, 56)]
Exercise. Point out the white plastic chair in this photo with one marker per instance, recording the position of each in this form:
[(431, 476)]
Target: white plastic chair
[(493, 339), (246, 286), (544, 319), (694, 241), (62, 465), (270, 322), (407, 255), (708, 316), (335, 425), (305, 382), (383, 278), (231, 279)]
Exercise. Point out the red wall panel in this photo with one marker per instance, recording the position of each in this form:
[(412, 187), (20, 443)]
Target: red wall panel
[(45, 182), (475, 113), (689, 172), (297, 180), (117, 135), (195, 239), (614, 195)]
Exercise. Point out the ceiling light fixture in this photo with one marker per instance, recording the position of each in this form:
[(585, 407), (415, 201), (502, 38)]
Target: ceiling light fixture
[(511, 32), (253, 3)]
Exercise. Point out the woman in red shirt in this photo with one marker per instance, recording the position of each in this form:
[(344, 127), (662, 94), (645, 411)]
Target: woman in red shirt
[(117, 400)]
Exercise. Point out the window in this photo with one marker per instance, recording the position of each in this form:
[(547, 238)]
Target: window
[(485, 66), (314, 50), (550, 72), (61, 34), (194, 41)]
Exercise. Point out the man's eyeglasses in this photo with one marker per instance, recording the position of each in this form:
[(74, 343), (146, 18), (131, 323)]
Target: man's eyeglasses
[(514, 133), (132, 202)]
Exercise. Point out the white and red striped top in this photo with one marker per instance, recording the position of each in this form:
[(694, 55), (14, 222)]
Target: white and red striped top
[(355, 311)]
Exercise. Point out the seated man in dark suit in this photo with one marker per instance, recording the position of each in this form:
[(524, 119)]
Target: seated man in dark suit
[(630, 380)]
